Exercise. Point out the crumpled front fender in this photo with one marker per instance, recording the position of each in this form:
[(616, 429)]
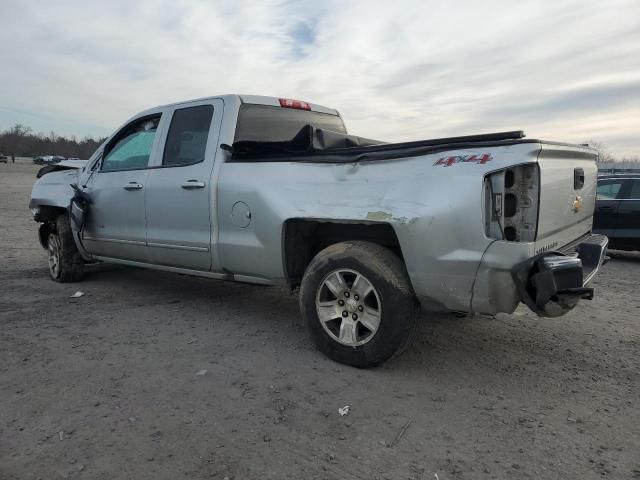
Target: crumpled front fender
[(54, 189)]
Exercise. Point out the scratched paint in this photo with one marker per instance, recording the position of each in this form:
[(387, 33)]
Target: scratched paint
[(379, 216)]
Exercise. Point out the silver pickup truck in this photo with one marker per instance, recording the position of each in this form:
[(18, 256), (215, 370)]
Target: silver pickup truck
[(274, 191)]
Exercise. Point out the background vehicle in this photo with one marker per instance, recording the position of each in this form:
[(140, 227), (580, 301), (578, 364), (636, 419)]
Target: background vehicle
[(267, 190), (47, 159), (3, 158), (617, 213)]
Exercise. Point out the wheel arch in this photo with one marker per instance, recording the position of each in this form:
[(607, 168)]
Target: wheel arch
[(303, 238), (49, 213), (46, 216)]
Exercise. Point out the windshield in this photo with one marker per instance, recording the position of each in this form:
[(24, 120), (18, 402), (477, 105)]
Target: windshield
[(264, 123)]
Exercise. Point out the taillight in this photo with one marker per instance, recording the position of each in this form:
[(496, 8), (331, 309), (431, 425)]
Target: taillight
[(288, 103), (511, 203)]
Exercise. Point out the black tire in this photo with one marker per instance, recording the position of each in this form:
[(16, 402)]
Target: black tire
[(398, 304), (65, 262)]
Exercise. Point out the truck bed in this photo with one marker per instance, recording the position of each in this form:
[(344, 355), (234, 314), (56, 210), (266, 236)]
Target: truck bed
[(312, 145)]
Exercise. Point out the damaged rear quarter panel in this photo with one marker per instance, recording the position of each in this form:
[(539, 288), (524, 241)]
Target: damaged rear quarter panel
[(436, 212)]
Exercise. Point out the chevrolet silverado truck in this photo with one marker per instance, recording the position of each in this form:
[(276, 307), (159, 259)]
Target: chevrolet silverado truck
[(275, 191)]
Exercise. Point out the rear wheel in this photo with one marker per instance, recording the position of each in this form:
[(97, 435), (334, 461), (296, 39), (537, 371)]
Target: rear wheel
[(358, 303), (65, 262)]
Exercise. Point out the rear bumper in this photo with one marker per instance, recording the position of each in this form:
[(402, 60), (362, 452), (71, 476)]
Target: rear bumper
[(552, 283), (593, 254)]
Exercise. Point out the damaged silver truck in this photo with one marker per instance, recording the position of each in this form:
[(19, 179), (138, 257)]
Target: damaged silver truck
[(274, 191)]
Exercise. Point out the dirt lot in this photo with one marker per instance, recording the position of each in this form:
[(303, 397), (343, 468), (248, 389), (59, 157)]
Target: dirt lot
[(161, 376)]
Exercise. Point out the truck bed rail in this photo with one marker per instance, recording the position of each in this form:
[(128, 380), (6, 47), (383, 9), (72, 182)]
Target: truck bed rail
[(305, 147)]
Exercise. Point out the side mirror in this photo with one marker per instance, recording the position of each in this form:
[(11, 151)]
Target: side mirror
[(98, 163), (90, 168)]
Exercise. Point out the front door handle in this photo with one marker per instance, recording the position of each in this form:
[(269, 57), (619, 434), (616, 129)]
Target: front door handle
[(133, 186), (606, 208), (192, 184)]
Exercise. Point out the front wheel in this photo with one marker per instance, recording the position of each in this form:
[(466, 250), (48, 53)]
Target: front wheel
[(357, 300), (65, 262)]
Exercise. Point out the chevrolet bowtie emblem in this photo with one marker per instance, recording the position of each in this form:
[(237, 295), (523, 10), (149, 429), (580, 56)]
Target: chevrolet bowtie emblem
[(577, 203)]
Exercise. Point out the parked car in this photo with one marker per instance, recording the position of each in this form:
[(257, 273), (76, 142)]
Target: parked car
[(274, 191), (617, 213), (47, 159), (68, 164), (4, 158)]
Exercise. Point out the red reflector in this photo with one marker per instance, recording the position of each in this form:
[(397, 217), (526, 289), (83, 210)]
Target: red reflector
[(288, 103)]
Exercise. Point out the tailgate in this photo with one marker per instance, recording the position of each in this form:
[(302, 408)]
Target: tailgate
[(568, 181)]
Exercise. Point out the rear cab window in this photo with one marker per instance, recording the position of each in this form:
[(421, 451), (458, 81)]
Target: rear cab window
[(266, 123)]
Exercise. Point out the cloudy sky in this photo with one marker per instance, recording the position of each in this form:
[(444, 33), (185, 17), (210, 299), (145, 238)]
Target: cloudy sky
[(397, 70)]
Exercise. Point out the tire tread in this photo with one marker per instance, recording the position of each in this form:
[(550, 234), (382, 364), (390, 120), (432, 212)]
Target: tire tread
[(392, 271), (71, 262)]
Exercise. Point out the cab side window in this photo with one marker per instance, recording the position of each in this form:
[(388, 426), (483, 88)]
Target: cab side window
[(187, 138), (131, 149), (609, 189)]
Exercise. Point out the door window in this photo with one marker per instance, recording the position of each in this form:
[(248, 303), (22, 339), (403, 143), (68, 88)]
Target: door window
[(132, 147), (634, 192), (187, 137), (609, 189)]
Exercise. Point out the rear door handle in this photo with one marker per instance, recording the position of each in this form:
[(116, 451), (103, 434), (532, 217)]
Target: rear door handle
[(192, 184), (133, 186), (606, 208)]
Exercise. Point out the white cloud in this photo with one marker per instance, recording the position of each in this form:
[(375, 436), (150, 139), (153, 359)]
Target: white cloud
[(563, 70)]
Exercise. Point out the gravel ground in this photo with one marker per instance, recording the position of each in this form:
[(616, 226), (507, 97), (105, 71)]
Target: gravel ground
[(161, 376)]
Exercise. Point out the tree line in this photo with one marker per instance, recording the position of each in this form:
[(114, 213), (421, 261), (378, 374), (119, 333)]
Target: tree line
[(21, 141)]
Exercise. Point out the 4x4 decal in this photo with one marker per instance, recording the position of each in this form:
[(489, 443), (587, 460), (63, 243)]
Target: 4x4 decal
[(448, 161)]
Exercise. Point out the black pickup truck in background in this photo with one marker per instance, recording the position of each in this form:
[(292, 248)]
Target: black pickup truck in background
[(617, 213)]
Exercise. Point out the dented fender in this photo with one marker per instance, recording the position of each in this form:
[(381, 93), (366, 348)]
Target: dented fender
[(54, 189)]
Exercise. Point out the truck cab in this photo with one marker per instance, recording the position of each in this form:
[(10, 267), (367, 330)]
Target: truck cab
[(153, 182)]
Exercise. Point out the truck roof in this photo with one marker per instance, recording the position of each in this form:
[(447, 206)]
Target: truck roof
[(256, 100)]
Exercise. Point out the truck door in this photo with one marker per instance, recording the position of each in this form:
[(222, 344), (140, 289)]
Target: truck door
[(605, 218), (180, 195), (628, 228), (116, 225)]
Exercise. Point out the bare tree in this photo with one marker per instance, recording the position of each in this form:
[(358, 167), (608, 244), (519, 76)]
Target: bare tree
[(604, 156), (20, 140)]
